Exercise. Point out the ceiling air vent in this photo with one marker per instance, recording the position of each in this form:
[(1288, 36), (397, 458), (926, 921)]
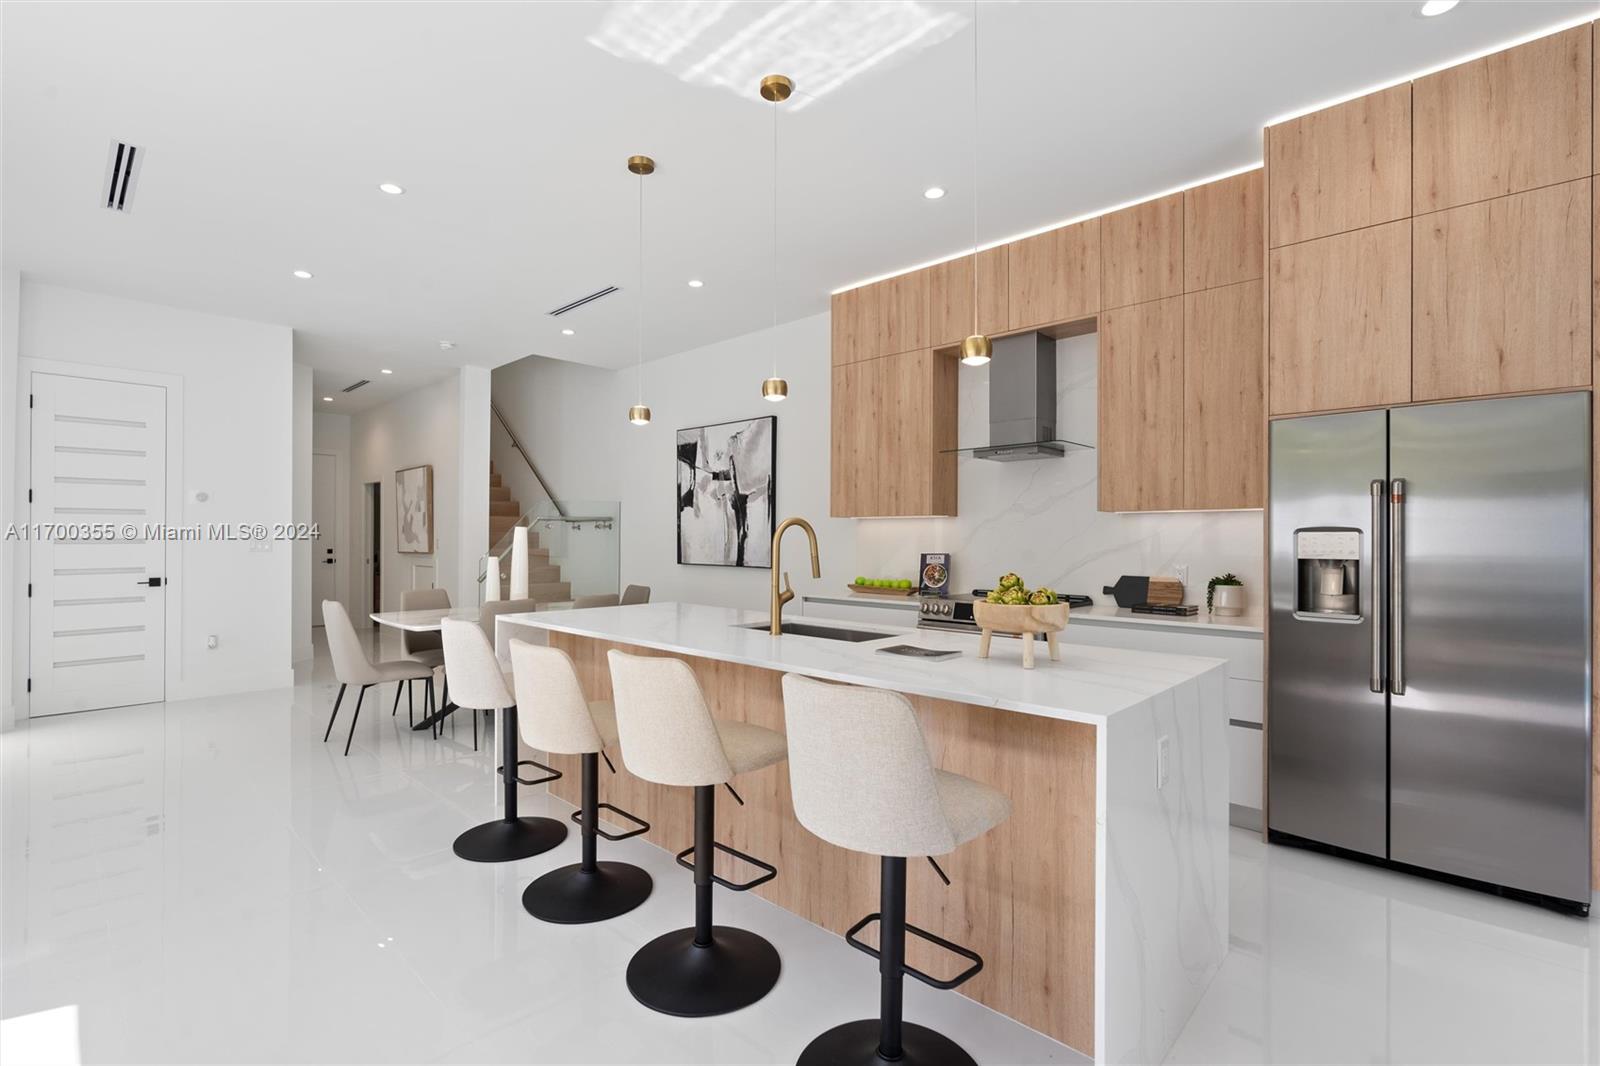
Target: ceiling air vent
[(357, 385), (580, 301), (123, 163)]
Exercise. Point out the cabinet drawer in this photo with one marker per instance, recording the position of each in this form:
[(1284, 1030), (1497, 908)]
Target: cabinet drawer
[(1244, 700)]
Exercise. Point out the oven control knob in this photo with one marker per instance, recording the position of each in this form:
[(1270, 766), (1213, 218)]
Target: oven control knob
[(946, 608)]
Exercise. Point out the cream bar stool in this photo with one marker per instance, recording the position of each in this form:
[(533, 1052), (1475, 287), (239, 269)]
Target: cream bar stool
[(554, 716), (862, 779), (352, 667), (480, 684), (669, 737)]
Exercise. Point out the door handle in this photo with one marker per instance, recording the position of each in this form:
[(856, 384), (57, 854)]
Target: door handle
[(1379, 498), (1397, 586), (154, 582)]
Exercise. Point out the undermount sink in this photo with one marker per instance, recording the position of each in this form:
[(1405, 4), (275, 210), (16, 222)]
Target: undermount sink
[(802, 629)]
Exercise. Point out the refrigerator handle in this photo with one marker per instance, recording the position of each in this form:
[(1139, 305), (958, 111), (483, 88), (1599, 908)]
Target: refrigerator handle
[(1397, 587), (1380, 497)]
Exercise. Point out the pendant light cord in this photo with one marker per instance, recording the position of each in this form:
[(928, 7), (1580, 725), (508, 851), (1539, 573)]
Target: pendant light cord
[(639, 324), (974, 150), (774, 235)]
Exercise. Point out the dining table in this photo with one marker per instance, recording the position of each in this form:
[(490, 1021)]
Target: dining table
[(432, 621), (428, 621)]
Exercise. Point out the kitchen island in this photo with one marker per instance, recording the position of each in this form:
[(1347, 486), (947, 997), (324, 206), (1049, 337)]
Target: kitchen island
[(1100, 907)]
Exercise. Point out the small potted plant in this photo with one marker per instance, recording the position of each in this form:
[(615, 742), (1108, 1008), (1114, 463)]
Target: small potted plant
[(1225, 595)]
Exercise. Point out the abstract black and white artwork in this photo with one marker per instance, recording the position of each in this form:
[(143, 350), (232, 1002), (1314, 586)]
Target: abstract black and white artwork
[(726, 488)]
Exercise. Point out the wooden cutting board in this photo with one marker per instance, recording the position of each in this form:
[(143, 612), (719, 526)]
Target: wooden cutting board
[(1165, 590)]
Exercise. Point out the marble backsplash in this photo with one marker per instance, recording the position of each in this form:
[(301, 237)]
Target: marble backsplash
[(1040, 518)]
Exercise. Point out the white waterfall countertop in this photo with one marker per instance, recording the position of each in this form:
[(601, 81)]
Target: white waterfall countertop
[(1160, 847), (1087, 684)]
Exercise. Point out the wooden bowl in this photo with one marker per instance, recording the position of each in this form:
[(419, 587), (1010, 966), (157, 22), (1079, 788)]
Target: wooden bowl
[(1023, 619)]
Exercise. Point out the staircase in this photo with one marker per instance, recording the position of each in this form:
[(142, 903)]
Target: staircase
[(544, 578)]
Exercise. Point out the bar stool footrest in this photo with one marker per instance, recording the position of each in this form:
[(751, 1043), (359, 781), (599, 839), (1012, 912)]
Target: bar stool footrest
[(551, 773), (771, 871), (928, 979), (644, 826)]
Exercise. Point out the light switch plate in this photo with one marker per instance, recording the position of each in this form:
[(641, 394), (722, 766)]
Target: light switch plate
[(1163, 760)]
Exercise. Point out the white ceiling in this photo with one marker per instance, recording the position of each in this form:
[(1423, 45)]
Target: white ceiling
[(267, 128)]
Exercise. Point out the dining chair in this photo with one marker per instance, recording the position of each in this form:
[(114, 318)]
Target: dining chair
[(424, 647), (352, 667), (635, 594), (604, 599)]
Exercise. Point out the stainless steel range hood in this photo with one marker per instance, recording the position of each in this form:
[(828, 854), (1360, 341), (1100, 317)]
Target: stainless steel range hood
[(1022, 400)]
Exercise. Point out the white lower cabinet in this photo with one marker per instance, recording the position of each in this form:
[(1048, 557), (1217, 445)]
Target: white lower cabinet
[(1245, 695)]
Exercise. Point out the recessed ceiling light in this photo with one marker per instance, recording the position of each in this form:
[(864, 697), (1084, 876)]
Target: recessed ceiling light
[(935, 192), (386, 370), (327, 399), (302, 274), (1436, 7), (567, 332), (391, 188), (695, 283)]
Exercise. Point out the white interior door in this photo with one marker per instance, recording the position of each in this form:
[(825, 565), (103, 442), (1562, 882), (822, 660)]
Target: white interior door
[(97, 603), (326, 565)]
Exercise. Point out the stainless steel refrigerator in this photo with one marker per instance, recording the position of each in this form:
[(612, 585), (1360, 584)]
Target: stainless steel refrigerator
[(1430, 647)]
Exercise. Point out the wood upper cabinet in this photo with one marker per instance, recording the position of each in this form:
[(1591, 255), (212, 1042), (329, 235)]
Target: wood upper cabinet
[(1224, 403), (1501, 295), (1141, 252), (843, 316), (894, 421), (1339, 169), (1222, 232), (1339, 333), (884, 318), (1516, 120), (1055, 276), (950, 297), (1141, 401)]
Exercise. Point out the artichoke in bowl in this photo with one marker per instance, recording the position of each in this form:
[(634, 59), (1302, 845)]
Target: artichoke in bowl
[(1010, 581), (1015, 596), (1041, 597), (994, 596)]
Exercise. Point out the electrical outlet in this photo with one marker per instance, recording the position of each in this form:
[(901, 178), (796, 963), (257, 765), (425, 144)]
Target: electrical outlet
[(1183, 573), (211, 642), (1163, 760)]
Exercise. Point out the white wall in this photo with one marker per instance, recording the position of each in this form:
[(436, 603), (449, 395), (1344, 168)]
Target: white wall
[(1039, 518), (444, 425), (300, 611), (238, 445)]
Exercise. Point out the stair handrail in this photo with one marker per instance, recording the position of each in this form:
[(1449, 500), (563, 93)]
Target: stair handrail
[(516, 442)]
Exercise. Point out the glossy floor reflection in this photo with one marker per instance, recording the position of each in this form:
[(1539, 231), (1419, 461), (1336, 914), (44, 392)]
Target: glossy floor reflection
[(209, 882), (1338, 962)]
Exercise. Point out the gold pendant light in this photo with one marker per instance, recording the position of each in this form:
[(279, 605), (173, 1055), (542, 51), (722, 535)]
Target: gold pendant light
[(641, 165), (775, 88), (976, 349)]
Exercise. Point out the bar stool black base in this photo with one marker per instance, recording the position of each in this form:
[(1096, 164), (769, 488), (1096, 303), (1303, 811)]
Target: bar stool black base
[(674, 976), (507, 841), (856, 1044), (573, 895)]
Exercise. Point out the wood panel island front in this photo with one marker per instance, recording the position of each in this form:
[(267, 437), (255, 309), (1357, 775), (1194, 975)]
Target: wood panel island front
[(1100, 908)]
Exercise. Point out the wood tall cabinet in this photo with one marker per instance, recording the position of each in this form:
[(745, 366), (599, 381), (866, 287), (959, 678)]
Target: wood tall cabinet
[(1181, 397), (1427, 242), (950, 293)]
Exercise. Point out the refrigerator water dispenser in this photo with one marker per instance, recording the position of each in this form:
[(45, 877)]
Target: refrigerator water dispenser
[(1329, 563)]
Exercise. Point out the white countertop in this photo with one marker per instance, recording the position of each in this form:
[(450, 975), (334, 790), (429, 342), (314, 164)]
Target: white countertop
[(1245, 625), (1088, 684)]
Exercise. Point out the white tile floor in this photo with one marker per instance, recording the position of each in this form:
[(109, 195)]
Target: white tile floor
[(209, 882)]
